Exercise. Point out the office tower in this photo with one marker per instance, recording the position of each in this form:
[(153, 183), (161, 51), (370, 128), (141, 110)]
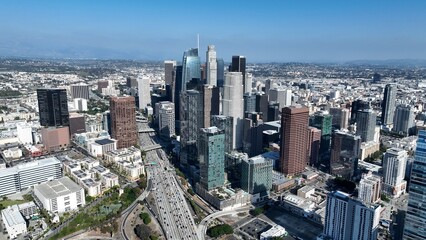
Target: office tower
[(225, 124), (249, 102), (232, 103), (262, 101), (314, 143), (169, 68), (345, 146), (252, 134), (211, 66), (248, 83), (131, 82), (80, 104), (268, 84), (166, 118), (349, 219), (77, 124), (123, 121), (356, 106), (340, 118), (294, 136), (376, 78), (283, 96), (370, 188), (365, 124), (239, 65), (404, 119), (178, 88), (220, 72), (211, 156), (144, 92), (210, 103), (191, 121), (53, 107), (323, 121), (394, 163), (273, 112), (415, 219), (256, 175), (106, 121), (388, 104), (80, 91), (191, 67)]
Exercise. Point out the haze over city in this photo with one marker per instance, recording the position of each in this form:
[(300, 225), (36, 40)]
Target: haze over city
[(267, 31)]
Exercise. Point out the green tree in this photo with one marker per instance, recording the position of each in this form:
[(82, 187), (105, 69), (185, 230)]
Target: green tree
[(219, 230)]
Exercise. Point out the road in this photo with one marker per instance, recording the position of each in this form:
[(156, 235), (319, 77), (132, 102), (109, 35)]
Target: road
[(202, 227)]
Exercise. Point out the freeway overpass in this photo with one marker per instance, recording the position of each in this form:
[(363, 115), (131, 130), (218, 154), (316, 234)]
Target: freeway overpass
[(148, 130), (151, 147)]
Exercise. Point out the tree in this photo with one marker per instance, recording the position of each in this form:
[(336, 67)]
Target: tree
[(142, 231), (219, 230)]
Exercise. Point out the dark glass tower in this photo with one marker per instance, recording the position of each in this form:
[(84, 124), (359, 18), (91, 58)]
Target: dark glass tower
[(53, 107), (191, 67), (239, 65)]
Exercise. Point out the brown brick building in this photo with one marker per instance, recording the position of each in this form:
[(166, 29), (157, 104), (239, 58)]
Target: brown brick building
[(294, 140), (123, 121)]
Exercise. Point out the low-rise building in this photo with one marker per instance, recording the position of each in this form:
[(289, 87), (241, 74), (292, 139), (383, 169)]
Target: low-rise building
[(99, 147), (28, 209), (275, 232), (55, 139), (61, 195), (13, 221), (130, 154)]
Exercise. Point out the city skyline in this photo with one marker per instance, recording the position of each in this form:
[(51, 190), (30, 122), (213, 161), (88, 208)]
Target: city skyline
[(273, 32)]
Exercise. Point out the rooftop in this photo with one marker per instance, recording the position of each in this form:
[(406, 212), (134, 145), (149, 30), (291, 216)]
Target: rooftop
[(29, 165), (13, 216), (56, 188), (104, 141)]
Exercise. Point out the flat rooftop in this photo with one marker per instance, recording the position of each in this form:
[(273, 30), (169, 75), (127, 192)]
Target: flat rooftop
[(104, 141), (29, 165), (13, 216), (56, 188)]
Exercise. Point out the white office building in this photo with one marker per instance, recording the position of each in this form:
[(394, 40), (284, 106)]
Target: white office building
[(349, 219), (22, 176), (13, 221), (394, 164), (211, 66), (144, 92), (80, 104), (281, 95), (61, 195), (166, 118), (24, 132), (233, 105)]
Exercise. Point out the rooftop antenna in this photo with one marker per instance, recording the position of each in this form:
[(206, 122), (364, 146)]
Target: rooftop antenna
[(198, 41)]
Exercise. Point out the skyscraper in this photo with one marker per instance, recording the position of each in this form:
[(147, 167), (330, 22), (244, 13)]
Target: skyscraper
[(415, 219), (314, 143), (248, 83), (191, 67), (239, 65), (388, 104), (283, 96), (345, 151), (211, 156), (356, 106), (256, 175), (53, 107), (294, 138), (211, 65), (225, 124), (340, 118), (404, 119), (323, 121), (365, 124), (349, 219), (80, 91), (370, 188), (144, 92), (123, 121), (233, 105), (249, 102), (394, 163), (210, 103), (166, 118), (169, 68), (220, 72)]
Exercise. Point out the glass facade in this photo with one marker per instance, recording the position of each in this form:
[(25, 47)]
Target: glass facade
[(415, 220), (191, 67), (212, 158)]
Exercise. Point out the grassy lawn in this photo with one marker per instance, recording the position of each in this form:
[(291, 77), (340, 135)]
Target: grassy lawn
[(9, 202)]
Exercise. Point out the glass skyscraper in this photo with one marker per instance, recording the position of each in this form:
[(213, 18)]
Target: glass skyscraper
[(415, 220), (53, 107), (191, 67)]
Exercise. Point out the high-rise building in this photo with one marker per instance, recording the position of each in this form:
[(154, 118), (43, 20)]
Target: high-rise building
[(225, 124), (220, 72), (314, 143), (102, 85), (404, 119), (169, 68), (211, 156), (178, 90), (356, 106), (323, 121), (294, 138), (144, 92), (345, 152), (256, 175), (283, 96), (248, 83), (123, 121), (262, 101), (166, 118), (210, 103), (80, 91), (415, 219), (239, 65), (233, 105), (191, 67), (191, 121), (211, 64), (340, 118), (273, 113), (349, 219), (394, 163), (268, 84), (106, 121), (249, 102), (53, 107), (388, 104), (77, 124), (131, 82), (370, 188), (80, 104), (366, 124), (252, 134)]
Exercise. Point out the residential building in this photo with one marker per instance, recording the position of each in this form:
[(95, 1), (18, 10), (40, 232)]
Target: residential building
[(123, 121), (256, 175), (225, 124), (99, 147), (340, 118), (166, 119), (404, 119), (394, 163), (211, 63), (370, 188), (366, 124), (53, 107), (388, 104), (144, 92), (211, 156)]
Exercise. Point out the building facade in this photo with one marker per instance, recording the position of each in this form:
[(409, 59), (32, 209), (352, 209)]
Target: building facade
[(366, 124), (388, 104), (256, 175), (211, 65), (404, 119), (53, 107), (144, 92), (370, 188), (394, 163), (123, 121), (80, 91)]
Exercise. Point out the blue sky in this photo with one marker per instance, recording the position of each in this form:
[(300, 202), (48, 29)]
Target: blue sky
[(263, 31)]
